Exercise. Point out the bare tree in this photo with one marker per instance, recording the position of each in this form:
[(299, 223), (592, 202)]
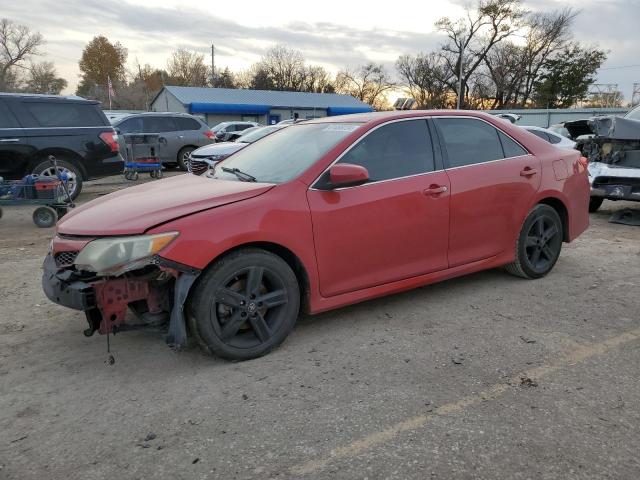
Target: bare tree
[(426, 78), (317, 79), (285, 67), (42, 78), (188, 69), (369, 83), (547, 33), (490, 23), (17, 45)]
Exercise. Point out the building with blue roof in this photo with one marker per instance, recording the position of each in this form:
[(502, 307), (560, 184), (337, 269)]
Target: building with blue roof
[(217, 105)]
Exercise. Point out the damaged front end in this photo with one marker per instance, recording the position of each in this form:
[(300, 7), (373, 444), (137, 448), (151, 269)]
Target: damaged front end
[(108, 276), (612, 146)]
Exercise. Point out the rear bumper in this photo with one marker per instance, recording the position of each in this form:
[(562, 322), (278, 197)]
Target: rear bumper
[(614, 183)]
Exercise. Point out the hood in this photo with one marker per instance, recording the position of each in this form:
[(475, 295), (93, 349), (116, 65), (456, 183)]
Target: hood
[(136, 209), (224, 148)]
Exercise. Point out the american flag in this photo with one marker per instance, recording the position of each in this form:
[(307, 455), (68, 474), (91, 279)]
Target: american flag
[(112, 93)]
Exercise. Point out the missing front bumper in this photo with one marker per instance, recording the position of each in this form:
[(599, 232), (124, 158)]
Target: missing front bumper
[(106, 300)]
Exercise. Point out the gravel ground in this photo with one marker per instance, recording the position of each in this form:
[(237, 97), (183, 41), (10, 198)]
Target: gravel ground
[(486, 376)]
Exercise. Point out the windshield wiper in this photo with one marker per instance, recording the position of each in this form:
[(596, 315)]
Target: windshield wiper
[(245, 177)]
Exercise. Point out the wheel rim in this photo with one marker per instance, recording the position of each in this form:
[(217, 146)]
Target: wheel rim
[(43, 217), (249, 307), (542, 243), (72, 182)]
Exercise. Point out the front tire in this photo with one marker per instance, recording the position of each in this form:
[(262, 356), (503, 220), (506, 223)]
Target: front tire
[(183, 157), (74, 182), (539, 243), (595, 203), (245, 305)]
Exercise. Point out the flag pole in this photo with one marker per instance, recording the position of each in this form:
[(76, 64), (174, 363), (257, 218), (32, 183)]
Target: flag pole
[(109, 90)]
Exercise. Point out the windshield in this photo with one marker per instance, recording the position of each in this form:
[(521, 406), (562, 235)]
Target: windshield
[(634, 114), (256, 134), (219, 126), (285, 154)]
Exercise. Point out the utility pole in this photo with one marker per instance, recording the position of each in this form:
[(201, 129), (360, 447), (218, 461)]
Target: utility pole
[(213, 65), (460, 92)]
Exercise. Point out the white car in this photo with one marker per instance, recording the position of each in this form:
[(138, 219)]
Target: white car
[(551, 136)]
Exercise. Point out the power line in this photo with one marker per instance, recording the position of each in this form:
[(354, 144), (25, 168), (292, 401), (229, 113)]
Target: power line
[(619, 66)]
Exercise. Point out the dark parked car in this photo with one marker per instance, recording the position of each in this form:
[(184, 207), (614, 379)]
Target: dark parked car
[(183, 133), (73, 129)]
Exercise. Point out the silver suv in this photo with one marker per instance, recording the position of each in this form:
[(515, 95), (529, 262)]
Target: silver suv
[(183, 133)]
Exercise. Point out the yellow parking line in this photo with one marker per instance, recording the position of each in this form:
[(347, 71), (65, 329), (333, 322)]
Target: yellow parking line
[(578, 355)]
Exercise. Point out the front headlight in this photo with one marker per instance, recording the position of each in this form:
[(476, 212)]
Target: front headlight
[(114, 256)]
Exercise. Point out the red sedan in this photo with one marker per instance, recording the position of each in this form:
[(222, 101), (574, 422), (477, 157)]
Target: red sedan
[(323, 214)]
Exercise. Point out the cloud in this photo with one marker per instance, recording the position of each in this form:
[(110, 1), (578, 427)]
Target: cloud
[(152, 32)]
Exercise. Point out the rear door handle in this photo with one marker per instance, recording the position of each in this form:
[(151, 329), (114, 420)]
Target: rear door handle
[(435, 190), (528, 171), (9, 140)]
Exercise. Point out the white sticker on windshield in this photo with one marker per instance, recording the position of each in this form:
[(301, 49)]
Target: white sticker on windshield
[(340, 127)]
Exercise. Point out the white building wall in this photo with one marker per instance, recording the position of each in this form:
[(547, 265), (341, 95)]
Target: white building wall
[(166, 102)]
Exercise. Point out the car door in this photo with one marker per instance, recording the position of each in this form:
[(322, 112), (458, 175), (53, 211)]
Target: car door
[(493, 181), (15, 149), (166, 128), (393, 227)]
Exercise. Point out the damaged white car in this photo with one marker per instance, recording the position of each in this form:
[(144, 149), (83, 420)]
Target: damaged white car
[(612, 146)]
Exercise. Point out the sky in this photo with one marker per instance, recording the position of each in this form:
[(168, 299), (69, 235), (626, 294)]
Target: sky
[(331, 33)]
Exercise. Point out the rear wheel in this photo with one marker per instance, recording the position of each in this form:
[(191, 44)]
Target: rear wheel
[(245, 305), (73, 173), (539, 243), (183, 157), (595, 203)]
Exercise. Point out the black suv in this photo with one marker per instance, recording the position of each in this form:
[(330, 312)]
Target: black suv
[(75, 130)]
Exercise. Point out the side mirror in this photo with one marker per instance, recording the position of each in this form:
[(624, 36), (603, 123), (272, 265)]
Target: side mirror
[(347, 175)]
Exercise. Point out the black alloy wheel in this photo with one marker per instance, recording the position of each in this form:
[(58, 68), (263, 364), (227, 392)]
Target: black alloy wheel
[(245, 305), (539, 243)]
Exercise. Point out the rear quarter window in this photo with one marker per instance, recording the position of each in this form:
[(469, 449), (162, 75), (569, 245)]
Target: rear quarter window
[(61, 114), (7, 120), (186, 123)]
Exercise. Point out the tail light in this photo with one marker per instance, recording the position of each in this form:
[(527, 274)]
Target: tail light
[(209, 134), (111, 139)]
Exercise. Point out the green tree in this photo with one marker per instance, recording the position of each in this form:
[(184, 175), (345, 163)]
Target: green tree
[(225, 79), (101, 60), (567, 76)]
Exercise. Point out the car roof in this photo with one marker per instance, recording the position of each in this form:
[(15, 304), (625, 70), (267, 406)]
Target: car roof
[(44, 96), (380, 117)]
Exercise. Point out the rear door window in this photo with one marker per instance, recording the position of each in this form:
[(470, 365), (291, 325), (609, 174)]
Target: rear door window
[(469, 141), (186, 123), (157, 124), (396, 150), (64, 114), (7, 119)]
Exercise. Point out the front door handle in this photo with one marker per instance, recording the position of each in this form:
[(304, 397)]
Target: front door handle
[(435, 190), (528, 172), (9, 140)]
